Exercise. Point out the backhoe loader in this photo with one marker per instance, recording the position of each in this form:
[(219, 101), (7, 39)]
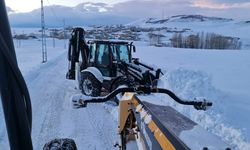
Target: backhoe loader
[(106, 65)]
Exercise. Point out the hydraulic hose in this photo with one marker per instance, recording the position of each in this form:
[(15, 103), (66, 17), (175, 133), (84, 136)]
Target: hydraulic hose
[(199, 105), (13, 90)]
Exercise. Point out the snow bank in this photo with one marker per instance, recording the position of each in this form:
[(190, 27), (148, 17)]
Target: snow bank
[(190, 84), (220, 76)]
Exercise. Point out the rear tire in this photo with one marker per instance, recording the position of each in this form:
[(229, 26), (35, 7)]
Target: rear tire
[(58, 144), (90, 86)]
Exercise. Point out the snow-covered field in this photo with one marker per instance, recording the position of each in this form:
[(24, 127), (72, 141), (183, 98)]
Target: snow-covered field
[(220, 76)]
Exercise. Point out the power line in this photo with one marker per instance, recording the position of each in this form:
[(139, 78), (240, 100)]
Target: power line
[(44, 47), (58, 19), (53, 12)]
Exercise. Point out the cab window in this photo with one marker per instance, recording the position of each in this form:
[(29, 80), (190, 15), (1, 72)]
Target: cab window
[(123, 52), (92, 53), (103, 55)]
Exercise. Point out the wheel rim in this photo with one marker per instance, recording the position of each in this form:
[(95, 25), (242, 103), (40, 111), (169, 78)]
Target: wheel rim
[(87, 87)]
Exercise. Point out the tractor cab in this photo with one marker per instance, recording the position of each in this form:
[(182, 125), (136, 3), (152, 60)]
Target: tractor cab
[(105, 55)]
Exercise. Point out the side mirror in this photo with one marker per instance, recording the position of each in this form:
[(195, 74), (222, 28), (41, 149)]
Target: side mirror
[(133, 48)]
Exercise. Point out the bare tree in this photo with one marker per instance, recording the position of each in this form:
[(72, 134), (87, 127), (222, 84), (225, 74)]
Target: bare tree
[(205, 41)]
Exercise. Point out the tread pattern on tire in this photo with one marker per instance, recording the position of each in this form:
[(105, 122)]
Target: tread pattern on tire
[(95, 83)]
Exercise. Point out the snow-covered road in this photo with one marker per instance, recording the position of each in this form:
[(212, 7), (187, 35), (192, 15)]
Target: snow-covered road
[(53, 116)]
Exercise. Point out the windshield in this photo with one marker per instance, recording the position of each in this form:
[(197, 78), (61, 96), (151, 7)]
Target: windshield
[(103, 54), (123, 52)]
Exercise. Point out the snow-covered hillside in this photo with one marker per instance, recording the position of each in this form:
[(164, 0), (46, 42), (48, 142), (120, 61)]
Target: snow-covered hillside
[(80, 15), (179, 18), (193, 24)]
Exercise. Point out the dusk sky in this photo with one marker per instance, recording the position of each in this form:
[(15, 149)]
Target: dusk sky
[(144, 8), (28, 5)]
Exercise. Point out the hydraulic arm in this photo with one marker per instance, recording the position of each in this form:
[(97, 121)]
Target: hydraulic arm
[(77, 47)]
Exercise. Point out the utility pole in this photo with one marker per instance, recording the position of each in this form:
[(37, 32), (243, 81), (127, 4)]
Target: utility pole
[(64, 34), (162, 17), (44, 47), (54, 34)]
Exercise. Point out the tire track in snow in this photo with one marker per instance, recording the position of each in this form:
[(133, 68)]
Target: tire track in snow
[(53, 116), (104, 127)]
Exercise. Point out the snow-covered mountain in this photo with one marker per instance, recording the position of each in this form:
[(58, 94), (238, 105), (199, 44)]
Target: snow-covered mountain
[(93, 7), (180, 19), (9, 10), (80, 15), (90, 13), (187, 18)]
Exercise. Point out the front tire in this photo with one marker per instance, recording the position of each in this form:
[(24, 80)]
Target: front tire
[(90, 85)]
